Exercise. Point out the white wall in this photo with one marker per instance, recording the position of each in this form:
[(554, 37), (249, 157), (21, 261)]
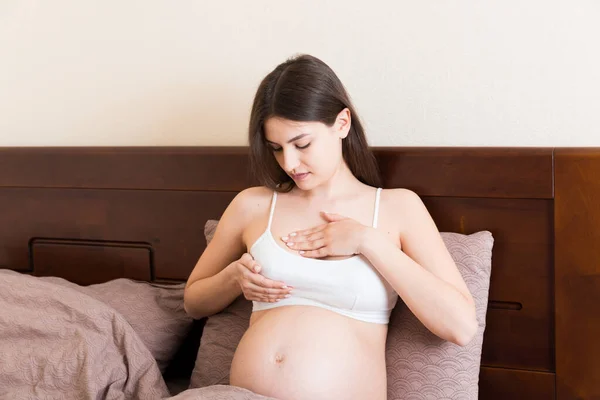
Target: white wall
[(426, 73)]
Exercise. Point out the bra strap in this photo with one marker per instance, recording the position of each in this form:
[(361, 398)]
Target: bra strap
[(376, 213), (273, 201)]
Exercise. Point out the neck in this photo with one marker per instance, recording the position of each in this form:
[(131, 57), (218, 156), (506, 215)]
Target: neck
[(341, 185)]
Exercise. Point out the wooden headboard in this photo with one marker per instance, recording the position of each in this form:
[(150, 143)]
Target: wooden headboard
[(94, 214)]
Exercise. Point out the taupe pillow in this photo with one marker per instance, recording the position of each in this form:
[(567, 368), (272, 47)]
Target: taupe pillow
[(220, 336), (154, 311), (419, 364), (422, 366)]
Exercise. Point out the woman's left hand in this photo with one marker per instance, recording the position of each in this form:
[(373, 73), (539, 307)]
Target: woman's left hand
[(340, 236)]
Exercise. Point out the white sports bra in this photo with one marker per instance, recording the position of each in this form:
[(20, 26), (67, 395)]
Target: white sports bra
[(351, 287)]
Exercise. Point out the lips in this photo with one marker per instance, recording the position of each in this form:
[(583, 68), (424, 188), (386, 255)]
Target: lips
[(299, 177)]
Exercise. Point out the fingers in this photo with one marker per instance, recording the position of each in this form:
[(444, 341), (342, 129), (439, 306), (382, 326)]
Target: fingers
[(255, 292), (248, 261), (304, 232), (309, 240), (317, 248), (269, 285), (318, 253), (305, 241), (256, 287), (308, 245), (251, 265)]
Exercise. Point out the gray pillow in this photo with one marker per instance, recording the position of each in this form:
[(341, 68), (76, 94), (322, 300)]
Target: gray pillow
[(419, 364)]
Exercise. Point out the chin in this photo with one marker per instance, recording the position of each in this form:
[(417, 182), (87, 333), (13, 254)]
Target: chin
[(303, 185), (306, 185)]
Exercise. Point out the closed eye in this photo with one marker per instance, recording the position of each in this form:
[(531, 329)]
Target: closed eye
[(278, 149)]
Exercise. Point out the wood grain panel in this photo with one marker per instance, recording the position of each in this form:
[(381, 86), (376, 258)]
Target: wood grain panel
[(503, 384), (462, 172), (158, 168), (469, 171), (577, 219), (87, 262), (170, 222), (519, 332)]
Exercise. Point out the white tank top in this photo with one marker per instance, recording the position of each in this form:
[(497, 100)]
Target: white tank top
[(351, 287)]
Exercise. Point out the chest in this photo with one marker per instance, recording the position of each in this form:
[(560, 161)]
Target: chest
[(350, 284)]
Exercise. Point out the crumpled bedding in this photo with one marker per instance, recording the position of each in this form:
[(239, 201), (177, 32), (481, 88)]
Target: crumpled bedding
[(59, 343), (219, 392)]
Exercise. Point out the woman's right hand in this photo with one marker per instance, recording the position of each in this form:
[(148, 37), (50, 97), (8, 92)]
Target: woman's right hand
[(254, 285)]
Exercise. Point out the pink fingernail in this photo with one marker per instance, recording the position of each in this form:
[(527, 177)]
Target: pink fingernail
[(301, 251)]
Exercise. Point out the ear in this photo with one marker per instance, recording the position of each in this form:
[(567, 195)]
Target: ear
[(343, 122)]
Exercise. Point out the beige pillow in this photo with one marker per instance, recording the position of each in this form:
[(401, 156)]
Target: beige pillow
[(220, 337), (419, 365), (422, 366), (218, 343), (154, 311)]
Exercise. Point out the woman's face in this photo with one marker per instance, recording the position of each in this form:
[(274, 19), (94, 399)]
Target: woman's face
[(309, 152)]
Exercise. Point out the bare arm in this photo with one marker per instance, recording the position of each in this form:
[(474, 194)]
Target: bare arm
[(225, 270), (418, 265), (423, 272), (211, 286)]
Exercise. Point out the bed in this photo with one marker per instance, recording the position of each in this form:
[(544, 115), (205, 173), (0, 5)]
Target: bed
[(94, 215)]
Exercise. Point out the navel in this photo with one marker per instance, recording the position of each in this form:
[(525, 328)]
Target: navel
[(279, 359)]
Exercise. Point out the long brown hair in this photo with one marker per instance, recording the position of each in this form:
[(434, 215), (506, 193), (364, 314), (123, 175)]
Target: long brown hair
[(304, 88)]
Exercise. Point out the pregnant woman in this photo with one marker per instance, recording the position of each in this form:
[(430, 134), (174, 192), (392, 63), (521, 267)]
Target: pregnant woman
[(322, 251)]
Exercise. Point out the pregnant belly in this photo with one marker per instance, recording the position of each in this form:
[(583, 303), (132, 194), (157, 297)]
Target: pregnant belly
[(301, 352)]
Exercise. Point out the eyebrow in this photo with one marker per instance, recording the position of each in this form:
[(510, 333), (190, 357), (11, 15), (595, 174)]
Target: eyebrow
[(292, 139)]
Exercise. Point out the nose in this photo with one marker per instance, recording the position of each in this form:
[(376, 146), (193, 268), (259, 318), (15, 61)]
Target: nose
[(291, 161)]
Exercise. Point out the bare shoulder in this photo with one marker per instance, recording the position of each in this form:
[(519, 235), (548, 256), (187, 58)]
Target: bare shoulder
[(242, 211), (401, 202), (400, 194), (246, 207), (405, 209), (227, 243), (251, 201), (256, 192)]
